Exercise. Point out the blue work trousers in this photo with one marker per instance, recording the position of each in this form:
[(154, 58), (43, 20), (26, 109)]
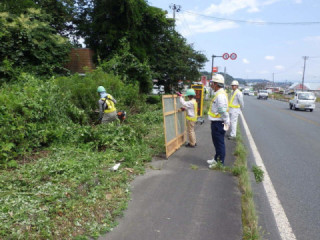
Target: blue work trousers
[(217, 134)]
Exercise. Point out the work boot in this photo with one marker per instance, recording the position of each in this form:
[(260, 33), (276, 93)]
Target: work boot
[(189, 145)]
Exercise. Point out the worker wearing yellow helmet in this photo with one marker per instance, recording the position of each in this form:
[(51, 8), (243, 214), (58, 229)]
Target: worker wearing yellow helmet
[(219, 117), (235, 106), (192, 115)]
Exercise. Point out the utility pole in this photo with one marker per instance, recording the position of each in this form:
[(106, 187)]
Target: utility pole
[(175, 8), (273, 79), (224, 74), (304, 69), (213, 56)]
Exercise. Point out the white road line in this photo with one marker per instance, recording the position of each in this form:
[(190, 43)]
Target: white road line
[(282, 222)]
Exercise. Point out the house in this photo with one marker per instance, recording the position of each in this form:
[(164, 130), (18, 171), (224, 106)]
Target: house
[(310, 87)]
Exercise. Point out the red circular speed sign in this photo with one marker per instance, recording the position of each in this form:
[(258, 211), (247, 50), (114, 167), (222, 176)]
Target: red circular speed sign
[(233, 56), (225, 56)]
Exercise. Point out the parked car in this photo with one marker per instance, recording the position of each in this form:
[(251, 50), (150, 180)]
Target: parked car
[(158, 89), (251, 93), (263, 94), (303, 100)]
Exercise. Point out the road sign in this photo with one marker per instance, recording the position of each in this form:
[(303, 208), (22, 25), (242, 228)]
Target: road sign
[(225, 56), (215, 69), (233, 56)]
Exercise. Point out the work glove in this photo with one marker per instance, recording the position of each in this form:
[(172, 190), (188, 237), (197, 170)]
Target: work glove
[(182, 109), (179, 94), (226, 126)]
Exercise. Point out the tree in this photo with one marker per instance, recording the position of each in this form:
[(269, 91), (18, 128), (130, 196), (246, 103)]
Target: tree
[(61, 12), (132, 71), (28, 43)]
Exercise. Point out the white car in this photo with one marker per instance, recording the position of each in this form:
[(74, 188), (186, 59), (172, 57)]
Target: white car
[(251, 93), (303, 100), (263, 94)]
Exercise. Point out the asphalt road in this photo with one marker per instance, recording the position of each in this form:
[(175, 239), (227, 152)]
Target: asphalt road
[(181, 199), (289, 144)]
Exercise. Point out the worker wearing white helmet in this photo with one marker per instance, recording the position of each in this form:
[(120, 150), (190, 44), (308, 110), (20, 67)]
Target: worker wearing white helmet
[(219, 117), (235, 106)]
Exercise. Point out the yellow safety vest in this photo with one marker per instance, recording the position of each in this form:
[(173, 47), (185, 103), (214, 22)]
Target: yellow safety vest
[(195, 118), (109, 104), (232, 98), (215, 97)]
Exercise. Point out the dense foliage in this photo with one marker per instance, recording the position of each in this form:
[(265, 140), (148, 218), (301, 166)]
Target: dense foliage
[(55, 181), (37, 113), (152, 38), (29, 44)]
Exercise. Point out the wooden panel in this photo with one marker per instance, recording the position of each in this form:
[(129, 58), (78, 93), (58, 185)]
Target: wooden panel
[(174, 123)]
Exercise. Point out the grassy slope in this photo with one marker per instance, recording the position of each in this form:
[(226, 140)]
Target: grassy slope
[(68, 191)]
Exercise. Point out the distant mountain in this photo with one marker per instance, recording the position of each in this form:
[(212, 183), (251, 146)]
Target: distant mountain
[(251, 80)]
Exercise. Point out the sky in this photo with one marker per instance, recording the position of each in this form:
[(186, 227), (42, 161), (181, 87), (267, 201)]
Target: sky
[(265, 48)]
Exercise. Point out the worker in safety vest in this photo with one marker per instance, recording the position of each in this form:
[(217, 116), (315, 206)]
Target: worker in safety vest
[(192, 115), (219, 117), (107, 109), (235, 106)]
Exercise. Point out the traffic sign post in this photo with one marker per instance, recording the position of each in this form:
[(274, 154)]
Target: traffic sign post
[(233, 56), (225, 56)]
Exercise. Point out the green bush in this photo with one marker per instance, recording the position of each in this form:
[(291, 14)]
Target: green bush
[(153, 99), (29, 44), (33, 114), (83, 90)]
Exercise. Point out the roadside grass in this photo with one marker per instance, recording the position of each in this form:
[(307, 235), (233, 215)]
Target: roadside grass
[(70, 192), (258, 173), (249, 217)]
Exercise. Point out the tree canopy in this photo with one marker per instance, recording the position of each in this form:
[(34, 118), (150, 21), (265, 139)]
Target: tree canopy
[(28, 43), (103, 24)]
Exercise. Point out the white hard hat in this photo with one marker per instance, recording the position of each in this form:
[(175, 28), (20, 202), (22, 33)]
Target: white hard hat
[(235, 83), (218, 78)]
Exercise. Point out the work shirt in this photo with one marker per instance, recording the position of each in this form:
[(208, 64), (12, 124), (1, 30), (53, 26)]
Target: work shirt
[(220, 105), (189, 105), (238, 99)]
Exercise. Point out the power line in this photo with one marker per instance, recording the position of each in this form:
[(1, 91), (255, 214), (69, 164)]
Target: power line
[(253, 22)]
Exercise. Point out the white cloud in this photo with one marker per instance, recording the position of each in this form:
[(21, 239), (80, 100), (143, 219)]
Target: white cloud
[(312, 39), (189, 24), (269, 2), (298, 1), (270, 58), (228, 7), (231, 6), (245, 61), (279, 67)]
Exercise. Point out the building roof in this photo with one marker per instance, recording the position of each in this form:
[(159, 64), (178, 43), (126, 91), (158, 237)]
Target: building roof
[(307, 86)]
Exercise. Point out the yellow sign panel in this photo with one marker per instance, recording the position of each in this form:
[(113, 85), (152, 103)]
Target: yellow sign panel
[(198, 88)]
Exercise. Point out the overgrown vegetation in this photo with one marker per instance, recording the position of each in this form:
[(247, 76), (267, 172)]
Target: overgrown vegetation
[(29, 44), (55, 181)]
